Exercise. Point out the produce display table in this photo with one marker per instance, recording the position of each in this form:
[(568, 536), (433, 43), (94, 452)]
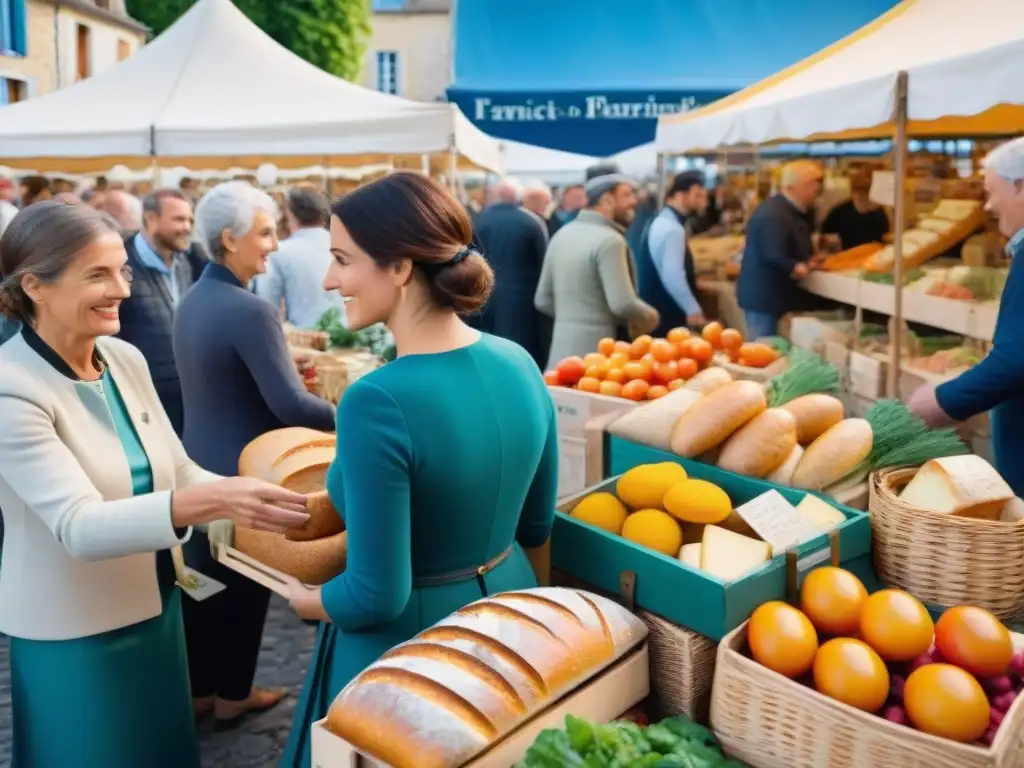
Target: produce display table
[(972, 319)]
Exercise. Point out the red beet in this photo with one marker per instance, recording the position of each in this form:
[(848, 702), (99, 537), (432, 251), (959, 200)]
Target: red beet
[(1004, 701), (894, 713), (995, 718), (920, 661), (989, 737), (936, 656), (1017, 664), (997, 685), (897, 684)]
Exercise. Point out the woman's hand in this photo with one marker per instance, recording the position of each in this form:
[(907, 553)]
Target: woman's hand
[(306, 602), (245, 501)]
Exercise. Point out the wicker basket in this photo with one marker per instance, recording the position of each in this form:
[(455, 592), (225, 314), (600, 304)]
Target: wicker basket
[(945, 560), (682, 661), (769, 721), (296, 337)]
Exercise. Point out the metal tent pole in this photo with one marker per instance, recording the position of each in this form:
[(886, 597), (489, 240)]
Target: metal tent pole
[(900, 169)]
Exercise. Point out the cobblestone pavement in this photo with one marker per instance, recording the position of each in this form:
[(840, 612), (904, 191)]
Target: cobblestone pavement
[(258, 742)]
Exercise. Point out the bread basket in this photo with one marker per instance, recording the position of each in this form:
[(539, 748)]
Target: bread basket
[(944, 560), (769, 721)]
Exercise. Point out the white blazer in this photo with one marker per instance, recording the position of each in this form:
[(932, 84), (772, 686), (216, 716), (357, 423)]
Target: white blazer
[(79, 549)]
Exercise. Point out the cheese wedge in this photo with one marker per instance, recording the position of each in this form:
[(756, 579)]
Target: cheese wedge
[(728, 555), (965, 486), (821, 515), (690, 554)]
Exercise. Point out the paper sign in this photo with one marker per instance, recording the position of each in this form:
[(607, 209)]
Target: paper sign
[(572, 466), (572, 414), (883, 188), (199, 587), (776, 521)]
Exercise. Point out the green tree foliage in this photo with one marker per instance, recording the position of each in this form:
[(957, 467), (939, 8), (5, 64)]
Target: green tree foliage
[(328, 33)]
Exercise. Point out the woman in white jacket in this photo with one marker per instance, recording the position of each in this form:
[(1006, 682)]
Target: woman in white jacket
[(96, 492)]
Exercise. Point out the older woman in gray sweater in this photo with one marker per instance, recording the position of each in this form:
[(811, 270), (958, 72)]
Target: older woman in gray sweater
[(238, 381)]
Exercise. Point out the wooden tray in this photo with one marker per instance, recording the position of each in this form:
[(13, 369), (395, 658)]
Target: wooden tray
[(275, 581), (601, 699)]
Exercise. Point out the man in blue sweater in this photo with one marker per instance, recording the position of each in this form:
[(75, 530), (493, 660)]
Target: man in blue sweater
[(997, 382)]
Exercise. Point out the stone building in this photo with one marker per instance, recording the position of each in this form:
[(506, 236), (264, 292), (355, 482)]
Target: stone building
[(409, 51)]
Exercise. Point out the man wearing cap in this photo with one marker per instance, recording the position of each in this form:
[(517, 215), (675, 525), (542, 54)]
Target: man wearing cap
[(666, 275), (587, 281)]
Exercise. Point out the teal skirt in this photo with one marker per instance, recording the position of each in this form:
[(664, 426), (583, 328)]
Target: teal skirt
[(339, 656), (116, 700)]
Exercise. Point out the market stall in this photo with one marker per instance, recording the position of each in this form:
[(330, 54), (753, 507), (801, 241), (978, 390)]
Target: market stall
[(886, 79), (264, 104)]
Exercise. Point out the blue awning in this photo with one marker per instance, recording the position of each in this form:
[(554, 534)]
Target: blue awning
[(592, 76)]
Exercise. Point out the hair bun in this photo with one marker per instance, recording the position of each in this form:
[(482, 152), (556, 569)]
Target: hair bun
[(9, 304)]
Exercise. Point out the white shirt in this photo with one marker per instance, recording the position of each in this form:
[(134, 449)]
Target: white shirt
[(295, 275)]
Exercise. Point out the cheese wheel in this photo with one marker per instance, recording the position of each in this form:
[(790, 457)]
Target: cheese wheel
[(711, 422), (761, 445), (311, 562), (834, 455), (463, 684), (815, 414)]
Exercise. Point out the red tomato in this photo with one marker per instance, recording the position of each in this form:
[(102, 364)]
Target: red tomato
[(974, 639), (666, 372), (571, 370), (687, 368), (635, 389), (663, 351), (552, 378), (589, 384), (712, 334)]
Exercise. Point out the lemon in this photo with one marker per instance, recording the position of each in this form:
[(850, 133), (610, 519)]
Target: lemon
[(644, 487), (655, 530), (601, 510)]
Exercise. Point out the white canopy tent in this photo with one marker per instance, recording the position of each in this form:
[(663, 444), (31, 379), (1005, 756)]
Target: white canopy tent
[(964, 64), (214, 91), (552, 166)]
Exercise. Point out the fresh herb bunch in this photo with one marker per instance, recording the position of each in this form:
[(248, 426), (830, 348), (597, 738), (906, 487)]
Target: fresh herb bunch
[(888, 278), (332, 324), (807, 374), (901, 439), (673, 743)]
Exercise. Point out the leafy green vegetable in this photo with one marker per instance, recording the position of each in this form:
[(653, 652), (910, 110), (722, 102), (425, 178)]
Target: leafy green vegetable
[(901, 439), (340, 336), (778, 342), (888, 278), (807, 373), (675, 742)]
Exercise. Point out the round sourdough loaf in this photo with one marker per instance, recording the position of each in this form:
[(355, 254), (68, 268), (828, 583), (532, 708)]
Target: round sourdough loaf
[(458, 687), (311, 562)]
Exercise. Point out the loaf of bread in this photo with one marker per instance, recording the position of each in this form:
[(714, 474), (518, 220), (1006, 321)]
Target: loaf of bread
[(298, 459), (456, 688)]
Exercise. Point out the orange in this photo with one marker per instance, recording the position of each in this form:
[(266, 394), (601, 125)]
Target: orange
[(634, 369), (833, 600), (849, 671), (611, 388), (656, 391), (712, 333), (606, 346), (678, 335), (975, 640), (599, 369), (623, 347), (593, 359), (731, 339), (641, 346), (946, 701), (757, 355), (701, 351), (589, 384), (571, 370), (618, 359), (666, 372), (635, 389), (687, 368), (782, 639), (663, 351), (676, 384), (552, 379), (896, 625), (615, 375)]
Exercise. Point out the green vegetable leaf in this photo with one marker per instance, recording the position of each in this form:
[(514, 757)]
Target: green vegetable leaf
[(581, 733), (686, 729), (552, 749)]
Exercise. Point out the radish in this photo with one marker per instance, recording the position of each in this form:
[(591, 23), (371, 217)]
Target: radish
[(897, 684), (989, 737), (895, 713), (936, 656), (995, 718), (1017, 664), (1004, 701), (922, 660), (997, 685)]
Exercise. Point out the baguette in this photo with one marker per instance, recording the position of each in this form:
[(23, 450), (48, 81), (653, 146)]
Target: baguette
[(448, 694)]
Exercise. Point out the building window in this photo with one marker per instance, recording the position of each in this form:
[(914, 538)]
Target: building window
[(12, 90), (13, 28), (387, 71), (124, 50), (84, 52)]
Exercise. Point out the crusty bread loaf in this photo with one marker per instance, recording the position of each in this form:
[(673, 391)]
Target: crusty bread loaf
[(298, 459), (443, 697), (311, 562)]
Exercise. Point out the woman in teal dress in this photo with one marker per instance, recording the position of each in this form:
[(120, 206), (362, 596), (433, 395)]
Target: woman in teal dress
[(95, 491), (447, 462)]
